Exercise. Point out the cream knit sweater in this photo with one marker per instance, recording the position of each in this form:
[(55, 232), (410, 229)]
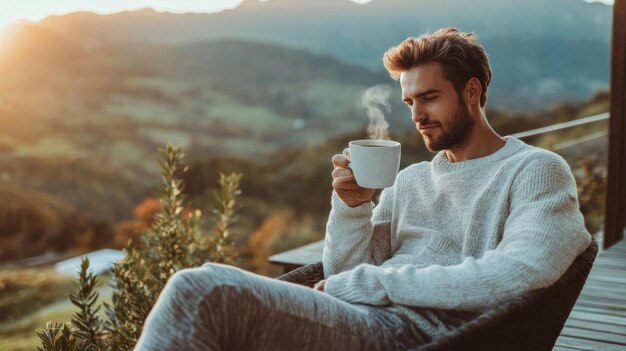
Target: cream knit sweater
[(464, 235)]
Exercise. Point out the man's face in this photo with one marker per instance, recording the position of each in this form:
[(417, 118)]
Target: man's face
[(439, 113)]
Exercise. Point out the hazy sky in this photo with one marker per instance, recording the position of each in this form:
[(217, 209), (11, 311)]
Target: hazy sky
[(35, 10)]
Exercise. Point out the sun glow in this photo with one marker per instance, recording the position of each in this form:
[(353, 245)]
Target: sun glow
[(5, 37), (36, 10)]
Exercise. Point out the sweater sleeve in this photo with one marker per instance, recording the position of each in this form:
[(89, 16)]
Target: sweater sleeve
[(356, 235), (543, 234)]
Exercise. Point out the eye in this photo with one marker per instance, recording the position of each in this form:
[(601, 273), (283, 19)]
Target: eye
[(429, 98), (408, 103)]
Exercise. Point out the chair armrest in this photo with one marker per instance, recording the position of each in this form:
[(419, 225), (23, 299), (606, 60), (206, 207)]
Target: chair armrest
[(307, 275), (532, 321)]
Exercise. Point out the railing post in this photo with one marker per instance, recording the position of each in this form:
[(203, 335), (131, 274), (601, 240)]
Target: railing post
[(615, 209)]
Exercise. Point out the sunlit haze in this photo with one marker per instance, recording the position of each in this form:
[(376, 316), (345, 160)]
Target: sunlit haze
[(36, 10), (607, 2)]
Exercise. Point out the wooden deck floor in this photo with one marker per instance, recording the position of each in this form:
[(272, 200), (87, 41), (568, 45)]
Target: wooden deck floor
[(598, 321)]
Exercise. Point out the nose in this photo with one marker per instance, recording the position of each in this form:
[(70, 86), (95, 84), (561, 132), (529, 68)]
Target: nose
[(417, 114)]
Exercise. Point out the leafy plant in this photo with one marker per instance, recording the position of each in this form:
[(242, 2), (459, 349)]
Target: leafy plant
[(86, 321), (173, 242), (58, 337)]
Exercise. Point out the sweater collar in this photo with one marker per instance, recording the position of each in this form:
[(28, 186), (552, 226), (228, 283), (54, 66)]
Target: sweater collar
[(441, 164)]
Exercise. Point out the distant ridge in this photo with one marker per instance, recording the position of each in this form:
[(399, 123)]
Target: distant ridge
[(538, 57)]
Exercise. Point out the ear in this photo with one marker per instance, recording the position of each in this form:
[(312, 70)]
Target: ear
[(473, 91)]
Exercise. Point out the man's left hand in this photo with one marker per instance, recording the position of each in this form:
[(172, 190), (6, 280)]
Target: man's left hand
[(319, 285)]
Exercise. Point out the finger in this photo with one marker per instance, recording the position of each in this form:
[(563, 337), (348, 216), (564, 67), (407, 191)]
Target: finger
[(347, 179), (340, 161), (341, 172), (345, 183), (319, 285), (347, 188)]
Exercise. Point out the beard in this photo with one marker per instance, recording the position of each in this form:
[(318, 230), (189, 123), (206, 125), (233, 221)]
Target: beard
[(455, 135)]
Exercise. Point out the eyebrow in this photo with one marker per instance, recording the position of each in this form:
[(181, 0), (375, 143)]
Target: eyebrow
[(427, 92)]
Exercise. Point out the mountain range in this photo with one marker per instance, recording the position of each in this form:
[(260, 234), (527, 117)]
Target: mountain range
[(99, 94), (541, 51)]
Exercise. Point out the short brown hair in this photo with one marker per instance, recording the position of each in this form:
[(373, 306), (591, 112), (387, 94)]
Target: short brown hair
[(460, 54)]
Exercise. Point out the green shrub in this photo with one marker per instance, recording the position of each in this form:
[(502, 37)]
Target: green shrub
[(173, 242)]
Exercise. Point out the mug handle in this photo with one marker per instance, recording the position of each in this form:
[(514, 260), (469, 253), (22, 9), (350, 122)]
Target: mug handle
[(346, 153)]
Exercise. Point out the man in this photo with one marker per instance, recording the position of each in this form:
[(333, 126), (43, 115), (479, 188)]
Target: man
[(488, 219)]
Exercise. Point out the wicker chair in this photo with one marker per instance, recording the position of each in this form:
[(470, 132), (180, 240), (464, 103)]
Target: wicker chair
[(532, 321)]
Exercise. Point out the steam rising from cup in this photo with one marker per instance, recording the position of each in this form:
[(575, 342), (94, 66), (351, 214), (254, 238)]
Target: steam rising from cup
[(375, 100)]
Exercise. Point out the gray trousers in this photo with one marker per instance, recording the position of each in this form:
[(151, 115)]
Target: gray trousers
[(219, 307)]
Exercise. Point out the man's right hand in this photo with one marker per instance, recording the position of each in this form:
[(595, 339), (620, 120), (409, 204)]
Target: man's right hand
[(345, 185)]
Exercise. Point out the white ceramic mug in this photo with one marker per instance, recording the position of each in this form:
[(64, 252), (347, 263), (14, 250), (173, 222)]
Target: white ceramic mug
[(375, 163)]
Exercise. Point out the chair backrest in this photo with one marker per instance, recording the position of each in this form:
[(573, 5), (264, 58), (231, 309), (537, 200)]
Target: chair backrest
[(531, 322)]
